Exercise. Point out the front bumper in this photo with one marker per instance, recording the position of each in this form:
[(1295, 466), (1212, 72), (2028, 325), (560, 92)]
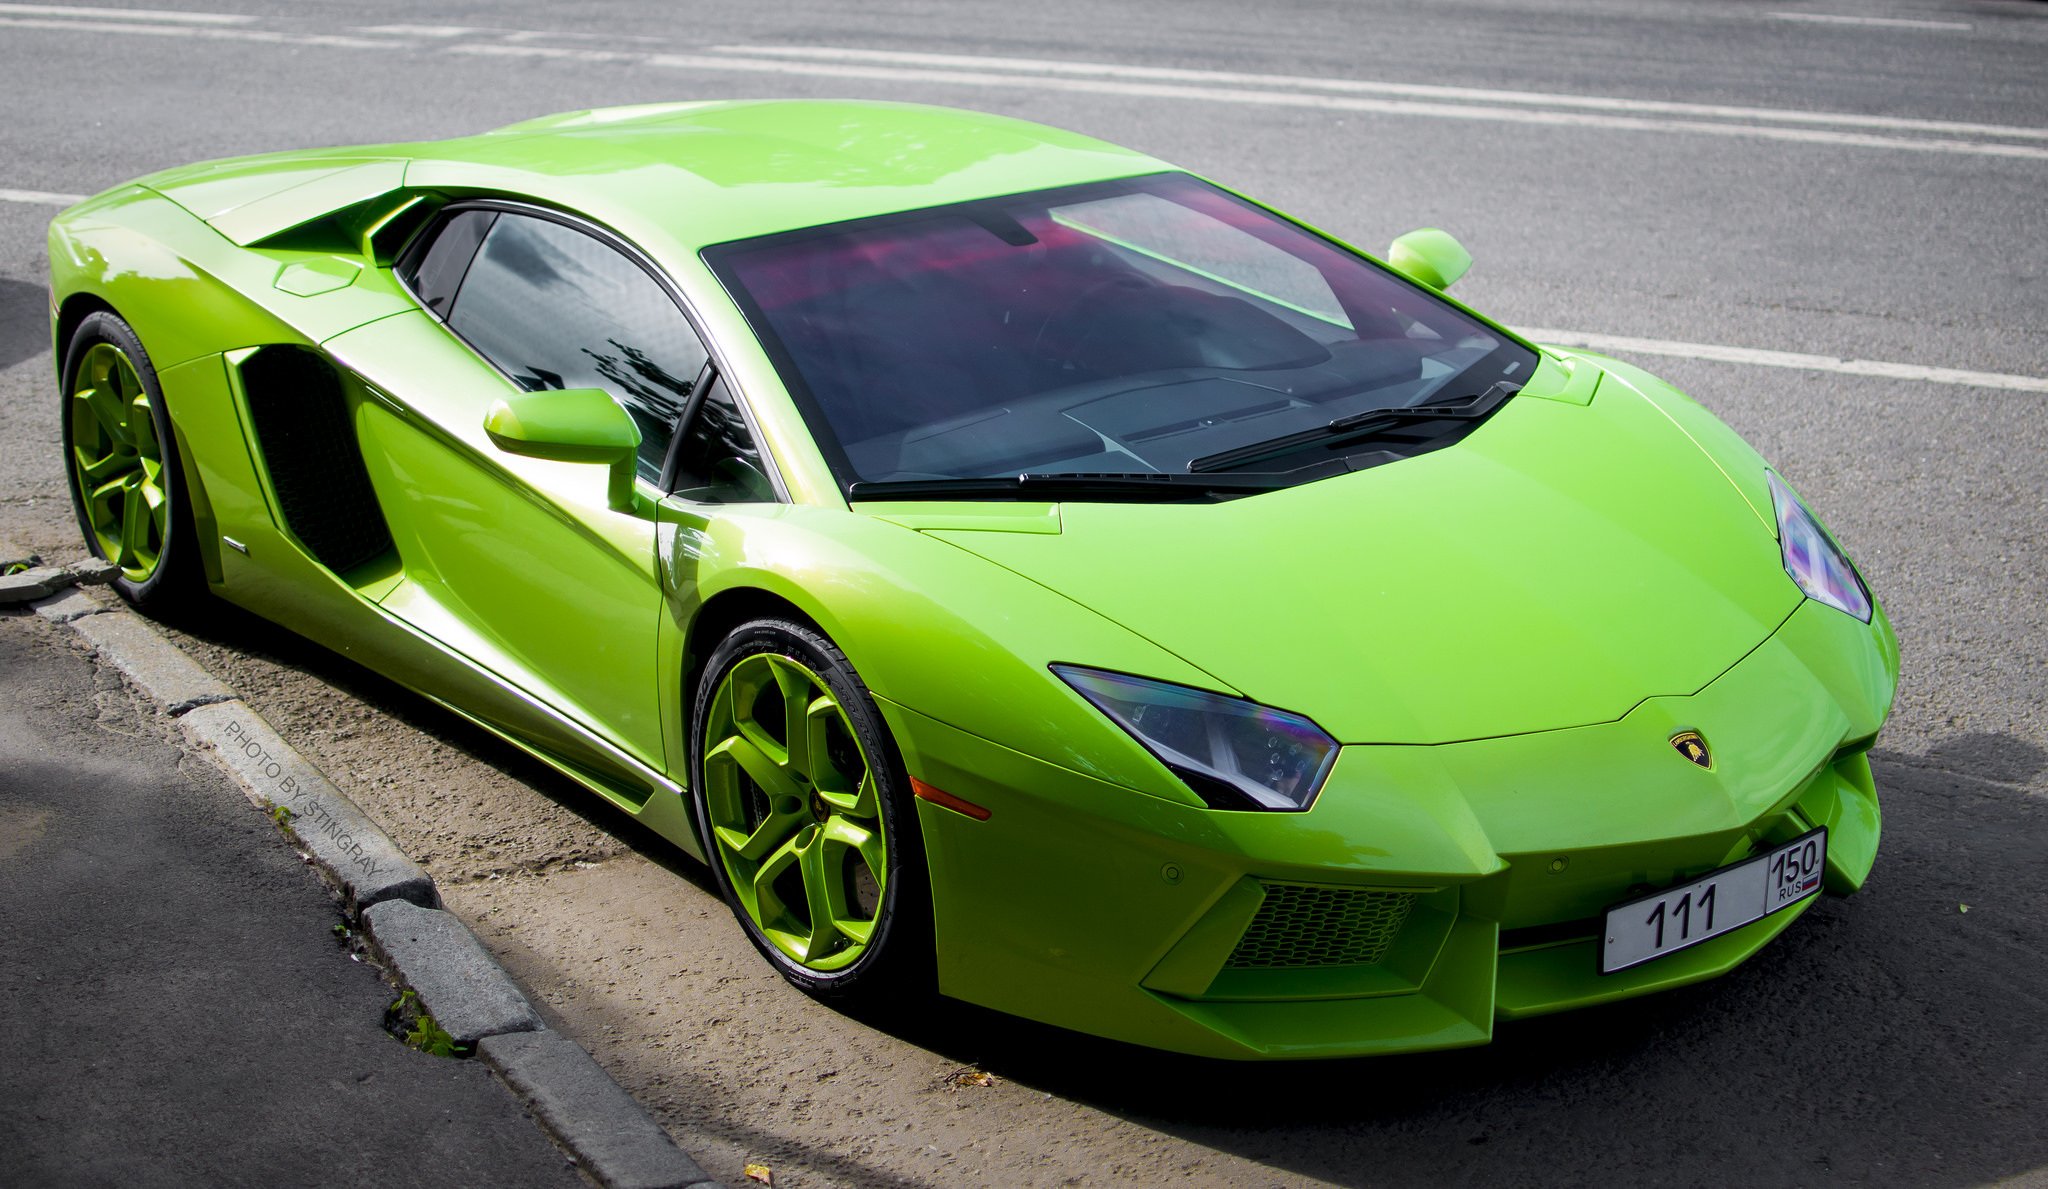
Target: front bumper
[(1431, 889)]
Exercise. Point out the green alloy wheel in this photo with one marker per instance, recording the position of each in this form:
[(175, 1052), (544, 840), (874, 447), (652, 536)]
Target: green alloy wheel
[(123, 460), (801, 802)]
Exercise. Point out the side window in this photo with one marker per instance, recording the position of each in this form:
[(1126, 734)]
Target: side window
[(717, 460), (555, 308), (436, 273)]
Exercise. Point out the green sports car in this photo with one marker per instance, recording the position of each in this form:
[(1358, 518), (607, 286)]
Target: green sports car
[(1016, 566)]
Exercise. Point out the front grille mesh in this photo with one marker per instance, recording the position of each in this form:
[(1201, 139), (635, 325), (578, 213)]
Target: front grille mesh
[(1307, 925)]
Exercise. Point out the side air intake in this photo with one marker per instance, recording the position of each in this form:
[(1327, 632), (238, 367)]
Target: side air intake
[(302, 429)]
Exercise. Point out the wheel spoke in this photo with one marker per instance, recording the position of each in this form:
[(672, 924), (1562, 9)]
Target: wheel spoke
[(752, 683), (768, 908), (159, 515), (858, 803), (782, 822), (102, 368), (97, 472), (858, 931), (843, 840), (819, 718), (764, 744), (113, 489), (107, 413), (847, 792), (760, 767), (141, 427), (794, 687), (862, 841), (103, 509), (734, 760), (818, 897), (134, 516)]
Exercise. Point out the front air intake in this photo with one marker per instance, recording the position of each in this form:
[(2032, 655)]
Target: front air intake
[(1302, 925)]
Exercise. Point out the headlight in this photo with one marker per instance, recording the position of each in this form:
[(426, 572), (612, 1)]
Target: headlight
[(1234, 754), (1813, 559)]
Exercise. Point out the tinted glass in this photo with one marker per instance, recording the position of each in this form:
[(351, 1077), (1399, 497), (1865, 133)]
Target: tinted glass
[(555, 308), (1130, 326), (717, 462), (436, 273)]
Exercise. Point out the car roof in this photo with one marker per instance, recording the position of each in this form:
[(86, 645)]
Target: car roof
[(684, 174), (706, 173)]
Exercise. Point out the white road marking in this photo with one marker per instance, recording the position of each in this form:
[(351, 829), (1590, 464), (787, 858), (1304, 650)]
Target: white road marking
[(40, 197), (203, 32), (420, 30), (1819, 18), (1458, 103), (517, 36), (1374, 87), (530, 35), (130, 14), (1151, 90), (1755, 357)]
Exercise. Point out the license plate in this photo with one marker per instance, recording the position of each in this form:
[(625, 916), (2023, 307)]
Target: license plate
[(1676, 918)]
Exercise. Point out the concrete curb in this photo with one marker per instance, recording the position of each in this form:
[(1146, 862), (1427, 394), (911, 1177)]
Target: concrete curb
[(571, 1093), (360, 858), (430, 951), (70, 605), (38, 581), (34, 583), (151, 662), (469, 995)]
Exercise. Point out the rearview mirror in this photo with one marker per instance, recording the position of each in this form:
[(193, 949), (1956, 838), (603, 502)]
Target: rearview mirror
[(569, 425), (1434, 258)]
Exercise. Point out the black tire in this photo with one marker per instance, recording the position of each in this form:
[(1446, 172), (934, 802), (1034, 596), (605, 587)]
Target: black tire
[(896, 967), (177, 579)]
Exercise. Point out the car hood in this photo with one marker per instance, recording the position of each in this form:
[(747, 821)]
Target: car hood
[(1559, 565)]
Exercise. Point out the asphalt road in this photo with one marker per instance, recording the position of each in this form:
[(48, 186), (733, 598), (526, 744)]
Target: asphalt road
[(178, 1010), (1850, 181)]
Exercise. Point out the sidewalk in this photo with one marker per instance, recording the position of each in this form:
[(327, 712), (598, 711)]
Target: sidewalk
[(176, 1007)]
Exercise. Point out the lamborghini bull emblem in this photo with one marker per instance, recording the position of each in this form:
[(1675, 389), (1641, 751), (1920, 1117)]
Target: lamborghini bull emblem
[(1694, 748)]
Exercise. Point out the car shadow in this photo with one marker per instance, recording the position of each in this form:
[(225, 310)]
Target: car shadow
[(221, 623)]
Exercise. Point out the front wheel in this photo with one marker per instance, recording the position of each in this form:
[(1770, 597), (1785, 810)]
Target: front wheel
[(805, 811), (122, 461)]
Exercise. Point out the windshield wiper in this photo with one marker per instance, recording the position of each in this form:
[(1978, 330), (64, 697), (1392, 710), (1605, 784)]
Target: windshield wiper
[(1356, 427), (1150, 486)]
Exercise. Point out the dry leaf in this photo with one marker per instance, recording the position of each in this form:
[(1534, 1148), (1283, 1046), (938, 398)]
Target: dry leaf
[(759, 1172)]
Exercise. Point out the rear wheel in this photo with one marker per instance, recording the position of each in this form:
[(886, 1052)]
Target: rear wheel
[(122, 462), (804, 808)]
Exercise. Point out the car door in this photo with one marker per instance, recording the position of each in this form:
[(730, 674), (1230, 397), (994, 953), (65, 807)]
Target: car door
[(522, 564)]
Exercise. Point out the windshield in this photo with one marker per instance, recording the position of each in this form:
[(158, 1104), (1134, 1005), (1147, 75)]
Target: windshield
[(1123, 328)]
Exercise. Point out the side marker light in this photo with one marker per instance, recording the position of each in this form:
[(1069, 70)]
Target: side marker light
[(947, 800)]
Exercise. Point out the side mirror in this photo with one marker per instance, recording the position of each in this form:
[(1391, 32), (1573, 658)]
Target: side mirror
[(1433, 257), (569, 425)]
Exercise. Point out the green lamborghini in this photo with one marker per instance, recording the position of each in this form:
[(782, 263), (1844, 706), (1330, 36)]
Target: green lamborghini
[(1017, 567)]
